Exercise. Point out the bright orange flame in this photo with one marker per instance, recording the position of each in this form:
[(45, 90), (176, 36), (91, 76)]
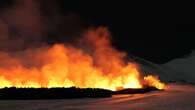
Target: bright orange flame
[(97, 66), (154, 81)]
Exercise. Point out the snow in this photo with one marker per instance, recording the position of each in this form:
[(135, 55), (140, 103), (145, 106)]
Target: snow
[(179, 70), (175, 97), (182, 69)]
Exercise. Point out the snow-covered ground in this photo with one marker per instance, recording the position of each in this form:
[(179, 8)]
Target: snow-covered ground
[(179, 69), (182, 68), (176, 97)]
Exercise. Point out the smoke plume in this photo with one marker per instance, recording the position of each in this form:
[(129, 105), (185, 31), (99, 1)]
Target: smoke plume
[(33, 23)]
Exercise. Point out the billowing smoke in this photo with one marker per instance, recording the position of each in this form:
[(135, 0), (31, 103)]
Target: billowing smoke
[(32, 23), (66, 65), (37, 49)]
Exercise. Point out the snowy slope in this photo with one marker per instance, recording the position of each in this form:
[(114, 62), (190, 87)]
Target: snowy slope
[(148, 67), (179, 70), (184, 68)]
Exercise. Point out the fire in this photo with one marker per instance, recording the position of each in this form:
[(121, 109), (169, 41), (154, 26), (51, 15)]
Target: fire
[(154, 81), (95, 64)]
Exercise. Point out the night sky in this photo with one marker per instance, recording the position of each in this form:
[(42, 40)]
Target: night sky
[(143, 31)]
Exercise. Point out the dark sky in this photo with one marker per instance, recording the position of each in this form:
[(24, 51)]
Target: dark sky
[(148, 32)]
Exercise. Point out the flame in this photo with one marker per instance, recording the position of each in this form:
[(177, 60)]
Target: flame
[(154, 81), (95, 64)]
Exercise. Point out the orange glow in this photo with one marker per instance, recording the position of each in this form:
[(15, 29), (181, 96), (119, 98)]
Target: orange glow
[(154, 81), (95, 65)]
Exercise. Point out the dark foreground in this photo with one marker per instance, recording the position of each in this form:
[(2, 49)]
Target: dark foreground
[(65, 93), (176, 97)]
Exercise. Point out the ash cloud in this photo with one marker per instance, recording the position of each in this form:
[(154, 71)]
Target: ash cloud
[(34, 23)]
